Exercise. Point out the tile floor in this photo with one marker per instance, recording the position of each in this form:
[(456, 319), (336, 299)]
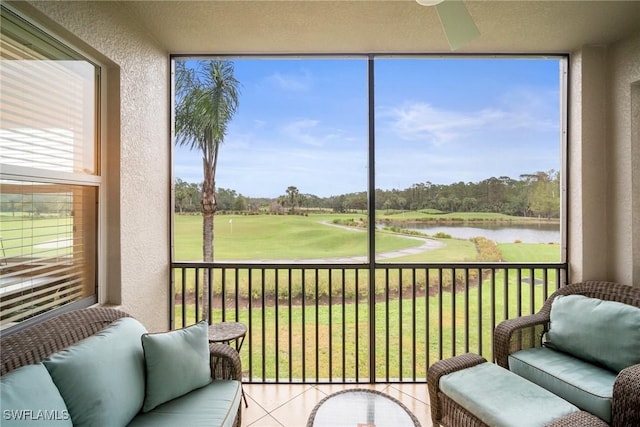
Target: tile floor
[(272, 405)]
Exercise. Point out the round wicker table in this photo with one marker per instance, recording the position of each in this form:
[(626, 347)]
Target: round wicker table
[(361, 408)]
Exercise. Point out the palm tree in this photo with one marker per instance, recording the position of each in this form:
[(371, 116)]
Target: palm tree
[(206, 100), (292, 195)]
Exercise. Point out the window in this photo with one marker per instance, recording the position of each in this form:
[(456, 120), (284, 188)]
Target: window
[(466, 152), (50, 174)]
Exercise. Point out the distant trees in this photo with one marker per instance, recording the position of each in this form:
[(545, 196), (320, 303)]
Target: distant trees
[(536, 194), (187, 196)]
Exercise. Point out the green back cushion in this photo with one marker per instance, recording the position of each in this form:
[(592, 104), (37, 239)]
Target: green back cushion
[(101, 378), (177, 362), (603, 332), (28, 396)]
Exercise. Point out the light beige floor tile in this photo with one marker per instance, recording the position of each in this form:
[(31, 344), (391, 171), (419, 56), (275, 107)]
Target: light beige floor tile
[(266, 421), (296, 412), (417, 391), (420, 409), (272, 396), (253, 412)]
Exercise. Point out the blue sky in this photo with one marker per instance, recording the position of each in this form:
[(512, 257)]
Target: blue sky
[(304, 122)]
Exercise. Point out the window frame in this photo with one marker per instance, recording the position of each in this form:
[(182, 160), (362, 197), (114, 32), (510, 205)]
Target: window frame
[(96, 180)]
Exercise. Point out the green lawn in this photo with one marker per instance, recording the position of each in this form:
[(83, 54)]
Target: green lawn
[(19, 233), (530, 252), (278, 237)]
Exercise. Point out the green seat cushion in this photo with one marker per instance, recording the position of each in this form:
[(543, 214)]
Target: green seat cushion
[(215, 404), (101, 378), (177, 362), (584, 384), (603, 332), (501, 398), (28, 396)]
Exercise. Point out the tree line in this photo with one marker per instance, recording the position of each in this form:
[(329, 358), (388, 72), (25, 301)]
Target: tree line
[(536, 195)]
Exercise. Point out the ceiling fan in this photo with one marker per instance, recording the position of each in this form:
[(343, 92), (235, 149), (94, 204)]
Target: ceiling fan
[(456, 21)]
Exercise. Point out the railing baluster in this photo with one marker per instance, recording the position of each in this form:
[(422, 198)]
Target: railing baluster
[(400, 323), (303, 325), (209, 304), (492, 293), (277, 323), (250, 293), (427, 323), (290, 328), (357, 324), (506, 293), (264, 323), (317, 273), (330, 326), (466, 309), (184, 298), (532, 287), (414, 318), (440, 310), (266, 347), (386, 322), (197, 297), (223, 295), (480, 311), (344, 326), (453, 312)]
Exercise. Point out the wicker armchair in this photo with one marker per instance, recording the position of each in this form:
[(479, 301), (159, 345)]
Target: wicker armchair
[(525, 332)]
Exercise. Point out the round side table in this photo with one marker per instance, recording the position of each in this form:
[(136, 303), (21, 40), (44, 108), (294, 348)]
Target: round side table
[(225, 332)]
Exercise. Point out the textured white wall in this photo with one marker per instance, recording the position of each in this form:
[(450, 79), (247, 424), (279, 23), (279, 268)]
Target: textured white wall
[(587, 165), (604, 155), (624, 161), (138, 168)]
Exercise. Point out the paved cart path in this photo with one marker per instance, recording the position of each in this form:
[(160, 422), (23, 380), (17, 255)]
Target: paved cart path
[(428, 244)]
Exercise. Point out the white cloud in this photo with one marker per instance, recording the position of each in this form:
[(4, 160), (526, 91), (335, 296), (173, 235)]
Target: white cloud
[(291, 82), (308, 132), (420, 121), (259, 124)]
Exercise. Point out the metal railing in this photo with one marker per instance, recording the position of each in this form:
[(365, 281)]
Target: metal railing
[(338, 323)]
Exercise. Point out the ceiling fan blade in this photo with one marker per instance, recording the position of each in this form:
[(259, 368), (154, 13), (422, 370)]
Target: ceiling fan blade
[(457, 23)]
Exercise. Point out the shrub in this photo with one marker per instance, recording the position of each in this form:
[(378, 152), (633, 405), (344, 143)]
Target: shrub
[(441, 235)]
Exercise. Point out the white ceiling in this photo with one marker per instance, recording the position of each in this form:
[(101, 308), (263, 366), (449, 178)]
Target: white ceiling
[(373, 26)]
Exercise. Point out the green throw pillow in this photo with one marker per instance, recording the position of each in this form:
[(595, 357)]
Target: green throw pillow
[(177, 363), (28, 396), (603, 332), (101, 378)]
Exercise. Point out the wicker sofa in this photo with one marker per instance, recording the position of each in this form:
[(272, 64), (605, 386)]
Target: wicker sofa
[(47, 375), (528, 346)]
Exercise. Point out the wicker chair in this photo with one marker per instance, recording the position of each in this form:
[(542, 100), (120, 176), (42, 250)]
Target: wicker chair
[(524, 332), (35, 343)]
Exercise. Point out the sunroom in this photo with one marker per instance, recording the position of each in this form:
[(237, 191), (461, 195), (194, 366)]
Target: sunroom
[(120, 189)]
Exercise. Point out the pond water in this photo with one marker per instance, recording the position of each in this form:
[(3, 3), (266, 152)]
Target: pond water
[(542, 233)]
